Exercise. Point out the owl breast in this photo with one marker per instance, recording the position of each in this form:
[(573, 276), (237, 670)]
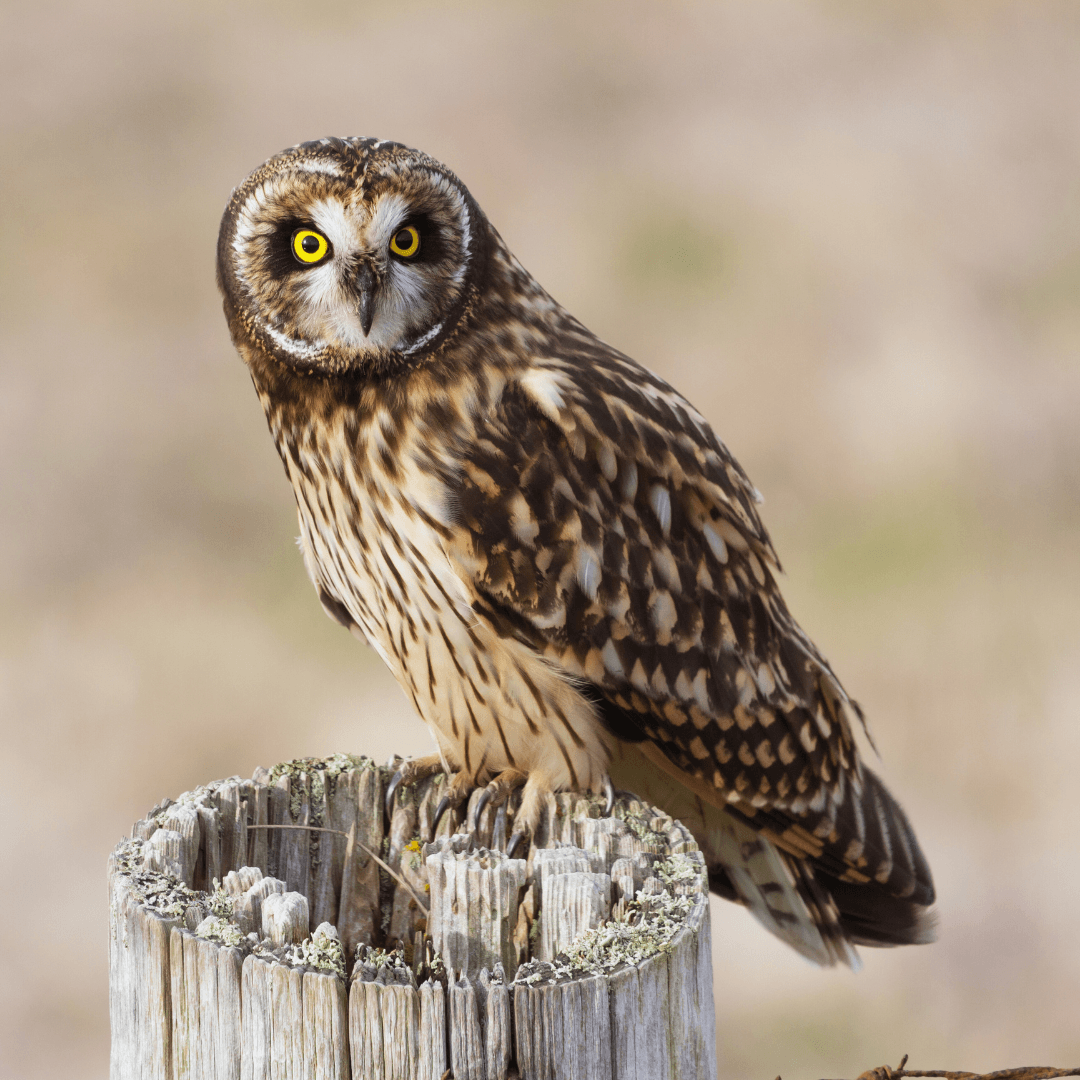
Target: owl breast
[(374, 503)]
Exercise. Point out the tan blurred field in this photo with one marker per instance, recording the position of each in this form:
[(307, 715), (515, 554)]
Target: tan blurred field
[(849, 232)]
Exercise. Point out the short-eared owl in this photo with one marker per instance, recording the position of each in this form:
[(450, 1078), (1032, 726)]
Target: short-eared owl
[(548, 546)]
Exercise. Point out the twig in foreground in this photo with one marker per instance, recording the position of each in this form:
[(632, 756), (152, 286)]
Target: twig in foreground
[(1027, 1072)]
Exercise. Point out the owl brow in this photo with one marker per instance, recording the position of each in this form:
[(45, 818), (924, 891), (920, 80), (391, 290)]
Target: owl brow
[(318, 165)]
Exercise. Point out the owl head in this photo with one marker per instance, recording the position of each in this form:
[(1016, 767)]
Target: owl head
[(346, 254)]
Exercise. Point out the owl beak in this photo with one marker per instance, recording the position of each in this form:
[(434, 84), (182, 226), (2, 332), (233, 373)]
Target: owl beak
[(366, 284)]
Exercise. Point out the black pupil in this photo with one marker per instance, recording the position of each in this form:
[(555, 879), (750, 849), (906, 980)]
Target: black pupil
[(404, 239), (310, 244)]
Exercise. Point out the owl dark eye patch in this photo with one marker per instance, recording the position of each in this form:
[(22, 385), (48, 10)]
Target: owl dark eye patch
[(283, 259), (431, 248)]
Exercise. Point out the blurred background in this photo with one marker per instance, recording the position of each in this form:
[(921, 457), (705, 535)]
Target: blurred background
[(848, 231)]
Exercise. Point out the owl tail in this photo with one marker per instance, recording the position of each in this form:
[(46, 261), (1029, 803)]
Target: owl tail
[(799, 901)]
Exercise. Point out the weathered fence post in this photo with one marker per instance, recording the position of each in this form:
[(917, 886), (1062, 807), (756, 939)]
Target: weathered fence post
[(282, 927)]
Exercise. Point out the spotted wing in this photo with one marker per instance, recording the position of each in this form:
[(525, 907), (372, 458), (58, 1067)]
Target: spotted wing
[(601, 521)]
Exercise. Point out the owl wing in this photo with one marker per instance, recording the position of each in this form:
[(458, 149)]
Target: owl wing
[(601, 521)]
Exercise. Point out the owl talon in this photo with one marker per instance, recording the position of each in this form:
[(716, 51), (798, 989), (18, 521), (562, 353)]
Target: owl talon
[(498, 791), (444, 805), (516, 839), (609, 792), (478, 809), (391, 791)]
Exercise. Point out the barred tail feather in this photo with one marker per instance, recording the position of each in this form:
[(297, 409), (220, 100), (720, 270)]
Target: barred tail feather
[(780, 891), (805, 895), (873, 917)]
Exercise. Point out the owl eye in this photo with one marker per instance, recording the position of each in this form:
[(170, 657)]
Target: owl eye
[(406, 242), (309, 246)]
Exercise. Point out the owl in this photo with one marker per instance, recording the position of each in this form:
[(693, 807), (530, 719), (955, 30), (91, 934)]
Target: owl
[(562, 565)]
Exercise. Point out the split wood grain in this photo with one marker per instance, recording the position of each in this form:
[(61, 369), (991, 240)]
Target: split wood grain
[(570, 904), (474, 900), (214, 971), (357, 810), (140, 999), (206, 1008), (564, 1030), (285, 918)]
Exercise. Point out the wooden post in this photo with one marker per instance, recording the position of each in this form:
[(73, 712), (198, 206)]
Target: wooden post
[(282, 927)]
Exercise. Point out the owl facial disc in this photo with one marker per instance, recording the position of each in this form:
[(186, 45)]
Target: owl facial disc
[(346, 254)]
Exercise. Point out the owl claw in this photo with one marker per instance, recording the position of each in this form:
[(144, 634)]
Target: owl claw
[(516, 839), (609, 793), (478, 808), (391, 791), (444, 805), (458, 793), (499, 789)]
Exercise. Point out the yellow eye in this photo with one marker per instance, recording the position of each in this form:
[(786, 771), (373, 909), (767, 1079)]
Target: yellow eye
[(309, 246), (406, 242)]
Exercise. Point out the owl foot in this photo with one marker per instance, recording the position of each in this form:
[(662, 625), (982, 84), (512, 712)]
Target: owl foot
[(499, 790), (459, 789), (532, 803), (411, 772)]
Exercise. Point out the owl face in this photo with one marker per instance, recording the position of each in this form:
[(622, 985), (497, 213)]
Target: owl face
[(346, 253)]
